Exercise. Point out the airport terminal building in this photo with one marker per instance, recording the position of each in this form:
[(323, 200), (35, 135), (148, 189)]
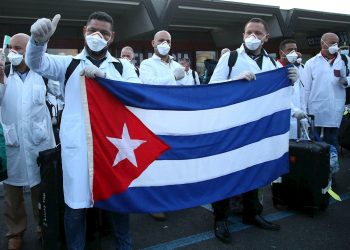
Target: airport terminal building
[(199, 28)]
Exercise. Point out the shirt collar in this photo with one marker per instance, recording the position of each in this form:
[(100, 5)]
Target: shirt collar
[(242, 50), (155, 57), (83, 56)]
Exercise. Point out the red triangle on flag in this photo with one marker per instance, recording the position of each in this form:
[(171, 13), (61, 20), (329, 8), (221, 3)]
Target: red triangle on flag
[(108, 118)]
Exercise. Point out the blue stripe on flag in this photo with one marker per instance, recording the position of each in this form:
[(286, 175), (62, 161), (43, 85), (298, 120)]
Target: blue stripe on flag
[(196, 146), (192, 97), (175, 197)]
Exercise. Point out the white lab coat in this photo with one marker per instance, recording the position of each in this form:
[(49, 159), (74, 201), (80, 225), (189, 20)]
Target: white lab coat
[(188, 79), (243, 63), (155, 71), (297, 103), (324, 96), (77, 190), (27, 126)]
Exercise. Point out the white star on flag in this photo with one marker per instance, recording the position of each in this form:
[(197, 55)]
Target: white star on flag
[(125, 146)]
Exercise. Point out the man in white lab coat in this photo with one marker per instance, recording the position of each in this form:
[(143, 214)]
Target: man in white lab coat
[(27, 129), (324, 77), (251, 59), (161, 68), (93, 61), (288, 55), (191, 76)]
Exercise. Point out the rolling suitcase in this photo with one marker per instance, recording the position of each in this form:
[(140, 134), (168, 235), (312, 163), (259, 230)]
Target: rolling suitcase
[(305, 186), (51, 202)]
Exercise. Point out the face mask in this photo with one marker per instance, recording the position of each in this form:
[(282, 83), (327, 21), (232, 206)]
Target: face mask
[(299, 60), (163, 48), (15, 58), (95, 42), (252, 42), (292, 56), (344, 52), (332, 49)]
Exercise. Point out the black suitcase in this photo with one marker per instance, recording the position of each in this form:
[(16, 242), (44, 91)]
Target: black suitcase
[(305, 186), (51, 202), (344, 132)]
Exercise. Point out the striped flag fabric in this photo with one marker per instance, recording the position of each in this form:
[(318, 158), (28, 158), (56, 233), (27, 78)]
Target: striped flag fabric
[(163, 148)]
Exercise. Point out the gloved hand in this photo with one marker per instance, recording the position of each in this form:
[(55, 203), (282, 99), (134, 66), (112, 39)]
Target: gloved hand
[(248, 75), (293, 74), (2, 67), (343, 81), (299, 114), (179, 73), (44, 28), (92, 71)]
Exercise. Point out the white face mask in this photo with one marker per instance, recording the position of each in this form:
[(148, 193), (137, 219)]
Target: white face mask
[(96, 42), (292, 56), (333, 48), (252, 42), (15, 58), (344, 52), (299, 60), (163, 48)]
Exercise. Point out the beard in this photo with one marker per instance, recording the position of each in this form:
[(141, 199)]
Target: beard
[(95, 54)]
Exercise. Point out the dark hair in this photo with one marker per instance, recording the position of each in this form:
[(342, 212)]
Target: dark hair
[(258, 20), (286, 41), (101, 16), (185, 59)]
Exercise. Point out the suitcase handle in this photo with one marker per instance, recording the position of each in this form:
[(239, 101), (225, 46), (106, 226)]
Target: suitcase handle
[(311, 122)]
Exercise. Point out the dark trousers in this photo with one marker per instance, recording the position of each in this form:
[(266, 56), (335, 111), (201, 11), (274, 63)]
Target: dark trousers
[(251, 206)]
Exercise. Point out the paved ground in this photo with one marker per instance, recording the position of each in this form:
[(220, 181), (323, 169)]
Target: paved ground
[(192, 228)]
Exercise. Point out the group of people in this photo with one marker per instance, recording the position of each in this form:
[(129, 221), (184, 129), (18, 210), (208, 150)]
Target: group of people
[(318, 88)]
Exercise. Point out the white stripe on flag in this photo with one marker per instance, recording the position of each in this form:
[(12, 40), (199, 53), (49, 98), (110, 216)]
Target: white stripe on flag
[(172, 172), (165, 122)]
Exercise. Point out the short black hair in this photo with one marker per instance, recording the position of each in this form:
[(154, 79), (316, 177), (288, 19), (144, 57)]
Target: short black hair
[(286, 41), (185, 59), (101, 16), (258, 20)]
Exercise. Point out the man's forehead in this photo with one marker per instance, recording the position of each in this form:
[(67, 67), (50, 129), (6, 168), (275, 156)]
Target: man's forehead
[(255, 26), (99, 24)]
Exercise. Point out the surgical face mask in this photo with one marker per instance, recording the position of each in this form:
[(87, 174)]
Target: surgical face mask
[(333, 48), (163, 48), (344, 52), (15, 58), (292, 56), (96, 42), (299, 60), (252, 42)]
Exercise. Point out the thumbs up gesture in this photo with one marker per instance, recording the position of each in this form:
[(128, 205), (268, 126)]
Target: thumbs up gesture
[(44, 28)]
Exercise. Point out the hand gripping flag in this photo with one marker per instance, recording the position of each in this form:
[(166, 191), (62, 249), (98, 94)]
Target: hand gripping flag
[(162, 148)]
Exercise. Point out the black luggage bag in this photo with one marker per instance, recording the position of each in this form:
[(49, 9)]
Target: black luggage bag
[(51, 202), (344, 132), (305, 186)]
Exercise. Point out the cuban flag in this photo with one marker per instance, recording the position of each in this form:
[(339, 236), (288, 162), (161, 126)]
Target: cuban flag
[(163, 148)]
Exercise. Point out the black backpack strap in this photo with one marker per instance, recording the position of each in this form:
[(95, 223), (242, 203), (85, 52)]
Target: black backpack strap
[(194, 77), (118, 66), (71, 67), (231, 62), (345, 59), (137, 71), (273, 61)]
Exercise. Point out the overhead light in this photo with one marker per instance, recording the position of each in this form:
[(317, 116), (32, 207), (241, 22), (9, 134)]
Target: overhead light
[(323, 20), (112, 1), (194, 26), (223, 11)]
